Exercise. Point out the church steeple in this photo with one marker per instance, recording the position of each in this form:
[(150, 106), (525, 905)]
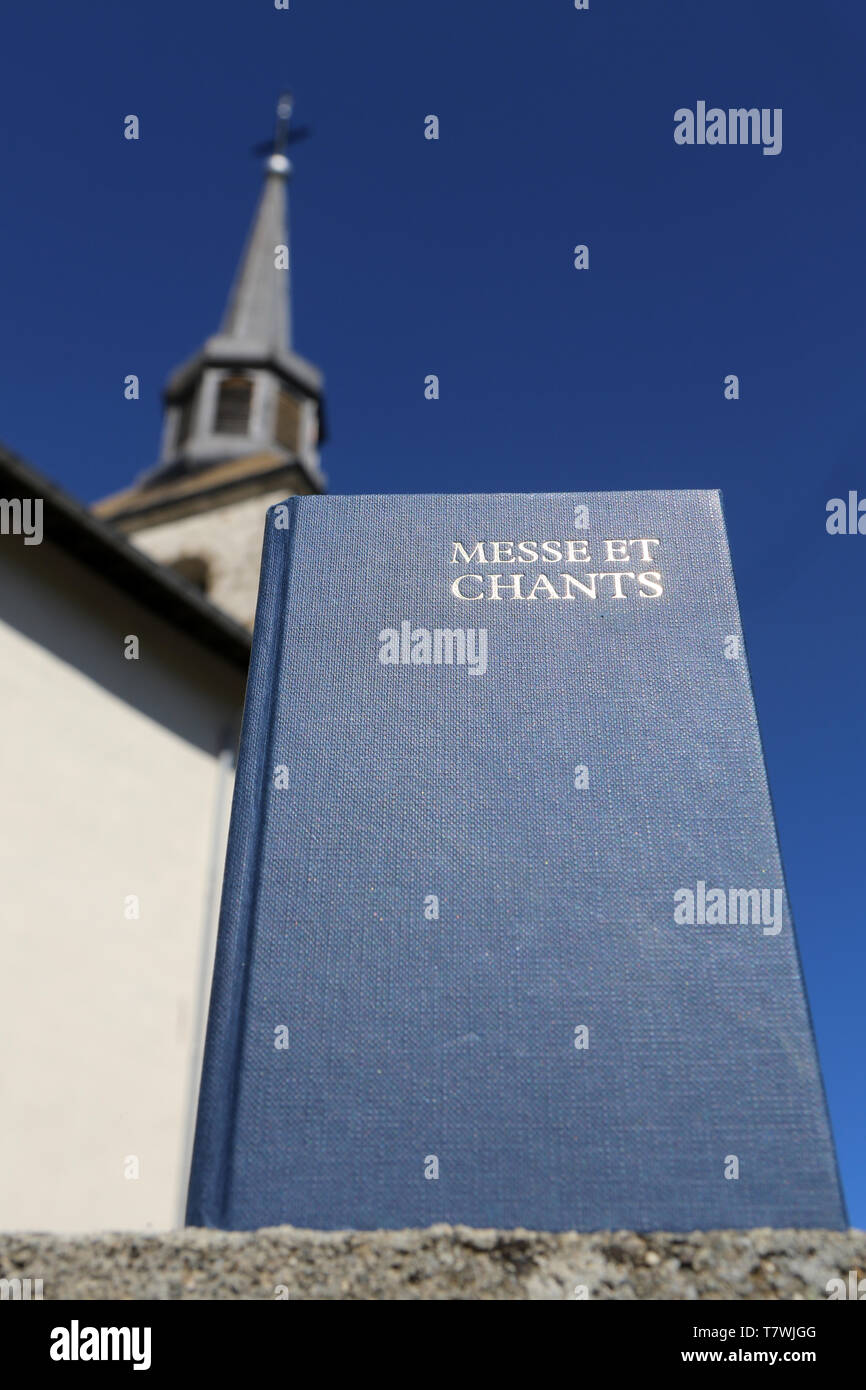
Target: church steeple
[(243, 420), (258, 309), (259, 306), (247, 391)]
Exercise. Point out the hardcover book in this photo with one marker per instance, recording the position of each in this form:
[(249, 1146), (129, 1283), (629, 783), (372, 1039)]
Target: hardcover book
[(504, 937)]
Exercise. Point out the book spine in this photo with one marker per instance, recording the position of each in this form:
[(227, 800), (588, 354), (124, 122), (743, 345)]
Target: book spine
[(761, 761), (210, 1175)]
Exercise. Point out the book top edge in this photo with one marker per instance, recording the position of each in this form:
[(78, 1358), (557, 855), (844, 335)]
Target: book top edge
[(319, 499)]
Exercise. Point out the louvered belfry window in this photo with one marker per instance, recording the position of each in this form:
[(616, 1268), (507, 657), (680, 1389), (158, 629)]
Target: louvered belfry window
[(288, 421), (233, 405)]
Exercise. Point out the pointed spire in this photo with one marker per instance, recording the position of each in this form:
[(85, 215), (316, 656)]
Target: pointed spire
[(259, 306), (247, 394)]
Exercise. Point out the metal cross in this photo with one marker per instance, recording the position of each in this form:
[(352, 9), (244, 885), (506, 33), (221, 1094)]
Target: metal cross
[(283, 134)]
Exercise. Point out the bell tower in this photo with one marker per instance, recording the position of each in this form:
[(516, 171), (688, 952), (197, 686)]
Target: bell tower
[(244, 419)]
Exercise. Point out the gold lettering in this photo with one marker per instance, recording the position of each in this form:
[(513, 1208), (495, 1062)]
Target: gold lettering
[(513, 581), (458, 592), (570, 581), (612, 559), (651, 579), (617, 576), (547, 546), (467, 558), (548, 590), (645, 556)]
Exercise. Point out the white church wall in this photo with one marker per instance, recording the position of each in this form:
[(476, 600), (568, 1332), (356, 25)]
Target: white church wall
[(113, 789), (229, 538)]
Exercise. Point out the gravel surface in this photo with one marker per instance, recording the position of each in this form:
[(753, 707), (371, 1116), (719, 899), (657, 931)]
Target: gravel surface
[(441, 1262)]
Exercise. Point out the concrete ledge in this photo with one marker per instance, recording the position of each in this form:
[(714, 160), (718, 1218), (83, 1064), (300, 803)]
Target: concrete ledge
[(442, 1262)]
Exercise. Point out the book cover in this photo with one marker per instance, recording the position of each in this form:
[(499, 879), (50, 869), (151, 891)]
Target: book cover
[(505, 938)]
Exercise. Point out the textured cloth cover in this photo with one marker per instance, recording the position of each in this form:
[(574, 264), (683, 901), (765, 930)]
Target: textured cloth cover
[(553, 1050)]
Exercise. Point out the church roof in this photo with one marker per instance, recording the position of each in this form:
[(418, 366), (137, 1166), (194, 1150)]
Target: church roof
[(101, 547), (234, 479)]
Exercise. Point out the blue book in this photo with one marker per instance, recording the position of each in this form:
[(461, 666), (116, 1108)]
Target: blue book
[(504, 936)]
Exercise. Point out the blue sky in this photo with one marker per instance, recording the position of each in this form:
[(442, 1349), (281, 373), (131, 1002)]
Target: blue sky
[(455, 257)]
